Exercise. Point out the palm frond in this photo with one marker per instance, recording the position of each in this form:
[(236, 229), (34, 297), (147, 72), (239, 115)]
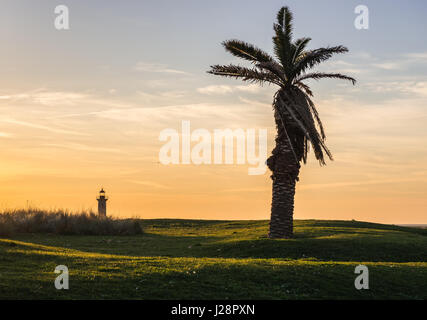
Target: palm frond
[(321, 75), (283, 37), (294, 103), (314, 57), (299, 45), (284, 20), (246, 51), (316, 116), (304, 88), (273, 67), (251, 75)]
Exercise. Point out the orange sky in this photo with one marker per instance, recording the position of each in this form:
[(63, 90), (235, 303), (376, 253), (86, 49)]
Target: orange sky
[(80, 111), (62, 163)]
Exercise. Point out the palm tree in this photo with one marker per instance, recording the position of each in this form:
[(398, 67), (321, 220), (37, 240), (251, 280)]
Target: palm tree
[(297, 120)]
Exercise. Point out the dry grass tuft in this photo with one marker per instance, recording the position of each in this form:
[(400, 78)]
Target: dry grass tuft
[(64, 222)]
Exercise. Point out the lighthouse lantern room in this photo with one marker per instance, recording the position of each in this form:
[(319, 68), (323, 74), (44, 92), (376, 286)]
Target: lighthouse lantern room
[(102, 203)]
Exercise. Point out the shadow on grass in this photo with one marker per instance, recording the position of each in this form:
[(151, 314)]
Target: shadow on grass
[(324, 245), (172, 260), (107, 277)]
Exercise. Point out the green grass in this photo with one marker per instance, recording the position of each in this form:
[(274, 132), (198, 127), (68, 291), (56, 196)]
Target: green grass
[(189, 259)]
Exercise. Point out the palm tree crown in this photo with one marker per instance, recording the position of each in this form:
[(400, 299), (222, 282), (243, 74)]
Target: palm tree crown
[(288, 70)]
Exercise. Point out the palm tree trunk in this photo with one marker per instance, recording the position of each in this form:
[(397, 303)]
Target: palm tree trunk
[(284, 164)]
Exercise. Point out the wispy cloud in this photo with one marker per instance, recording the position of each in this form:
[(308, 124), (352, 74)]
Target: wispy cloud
[(342, 66), (52, 98), (82, 147), (156, 67), (367, 63), (159, 115), (45, 97), (245, 190), (417, 55), (224, 89), (215, 89), (42, 127), (356, 183), (403, 61), (160, 97), (415, 88), (388, 65), (150, 184), (5, 135)]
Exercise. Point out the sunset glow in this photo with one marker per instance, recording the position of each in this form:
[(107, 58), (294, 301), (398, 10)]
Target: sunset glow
[(83, 108)]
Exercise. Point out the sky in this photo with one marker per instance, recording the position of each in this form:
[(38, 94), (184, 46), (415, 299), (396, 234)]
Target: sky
[(83, 108)]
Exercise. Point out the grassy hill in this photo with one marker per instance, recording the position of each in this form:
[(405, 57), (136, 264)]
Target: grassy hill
[(189, 259)]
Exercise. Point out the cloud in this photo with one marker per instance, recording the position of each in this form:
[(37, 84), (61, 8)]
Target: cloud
[(47, 98), (355, 183), (173, 94), (215, 89), (402, 62), (201, 115), (252, 88), (368, 63), (256, 103), (419, 88), (82, 147), (5, 135), (363, 55), (341, 66), (417, 55), (44, 97), (157, 67), (170, 113), (42, 127), (160, 97), (224, 89), (245, 190), (388, 65), (150, 184), (415, 88), (156, 83)]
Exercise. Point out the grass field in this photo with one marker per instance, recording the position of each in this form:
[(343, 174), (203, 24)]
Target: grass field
[(192, 259)]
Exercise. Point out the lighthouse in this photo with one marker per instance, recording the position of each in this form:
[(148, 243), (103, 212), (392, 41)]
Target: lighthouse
[(102, 204)]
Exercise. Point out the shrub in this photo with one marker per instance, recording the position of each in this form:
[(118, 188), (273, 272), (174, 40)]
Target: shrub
[(64, 222)]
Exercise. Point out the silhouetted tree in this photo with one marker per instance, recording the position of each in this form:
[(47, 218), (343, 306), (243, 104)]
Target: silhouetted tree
[(297, 120)]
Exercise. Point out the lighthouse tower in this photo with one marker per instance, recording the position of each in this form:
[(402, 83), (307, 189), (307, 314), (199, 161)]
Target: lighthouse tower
[(102, 204)]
